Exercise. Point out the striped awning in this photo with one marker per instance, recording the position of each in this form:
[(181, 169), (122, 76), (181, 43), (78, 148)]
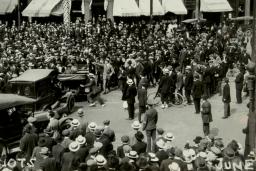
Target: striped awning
[(40, 8), (215, 6), (125, 8), (175, 6), (144, 6), (7, 6)]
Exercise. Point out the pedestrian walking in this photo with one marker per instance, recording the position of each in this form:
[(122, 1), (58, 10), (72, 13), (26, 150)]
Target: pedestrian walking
[(226, 98), (149, 125), (206, 115)]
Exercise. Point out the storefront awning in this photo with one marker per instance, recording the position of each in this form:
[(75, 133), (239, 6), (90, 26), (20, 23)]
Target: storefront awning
[(144, 6), (7, 6), (58, 10), (40, 8), (125, 8), (215, 6), (175, 6)]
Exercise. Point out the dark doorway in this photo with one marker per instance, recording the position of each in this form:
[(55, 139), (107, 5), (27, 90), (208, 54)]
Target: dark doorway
[(97, 8)]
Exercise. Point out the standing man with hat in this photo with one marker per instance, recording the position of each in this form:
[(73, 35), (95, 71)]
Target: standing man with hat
[(130, 94), (82, 120), (188, 84), (197, 91), (149, 125), (206, 115), (108, 131), (226, 98), (142, 97), (239, 86), (69, 162), (164, 87), (120, 149), (94, 93), (140, 147)]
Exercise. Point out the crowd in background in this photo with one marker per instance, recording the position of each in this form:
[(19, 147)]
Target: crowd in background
[(149, 47)]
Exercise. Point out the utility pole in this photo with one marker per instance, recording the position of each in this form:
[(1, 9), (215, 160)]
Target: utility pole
[(151, 11), (251, 87), (18, 13), (247, 10), (254, 33), (197, 11)]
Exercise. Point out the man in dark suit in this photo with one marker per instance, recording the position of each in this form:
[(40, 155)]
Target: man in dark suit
[(188, 83), (140, 147), (149, 125), (197, 91), (239, 86), (108, 131), (70, 161), (143, 81), (130, 94), (142, 97), (164, 88), (28, 142), (226, 98), (206, 115), (125, 144)]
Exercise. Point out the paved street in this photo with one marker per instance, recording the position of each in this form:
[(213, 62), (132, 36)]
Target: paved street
[(181, 120)]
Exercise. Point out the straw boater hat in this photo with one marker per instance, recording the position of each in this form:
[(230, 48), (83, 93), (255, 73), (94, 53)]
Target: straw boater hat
[(174, 167), (188, 67), (153, 157), (133, 155), (81, 140), (75, 123), (80, 112), (74, 146), (160, 144), (92, 126), (136, 125), (100, 160), (166, 71), (129, 82), (169, 136)]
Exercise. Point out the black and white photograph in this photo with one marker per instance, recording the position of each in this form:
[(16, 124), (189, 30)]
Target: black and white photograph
[(127, 85)]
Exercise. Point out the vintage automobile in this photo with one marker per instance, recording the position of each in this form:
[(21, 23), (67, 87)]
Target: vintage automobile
[(42, 85), (14, 117), (75, 83)]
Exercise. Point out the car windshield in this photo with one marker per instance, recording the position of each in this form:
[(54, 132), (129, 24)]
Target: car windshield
[(27, 90)]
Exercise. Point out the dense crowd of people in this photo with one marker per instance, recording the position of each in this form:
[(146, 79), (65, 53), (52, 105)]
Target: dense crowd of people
[(89, 147), (134, 56)]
